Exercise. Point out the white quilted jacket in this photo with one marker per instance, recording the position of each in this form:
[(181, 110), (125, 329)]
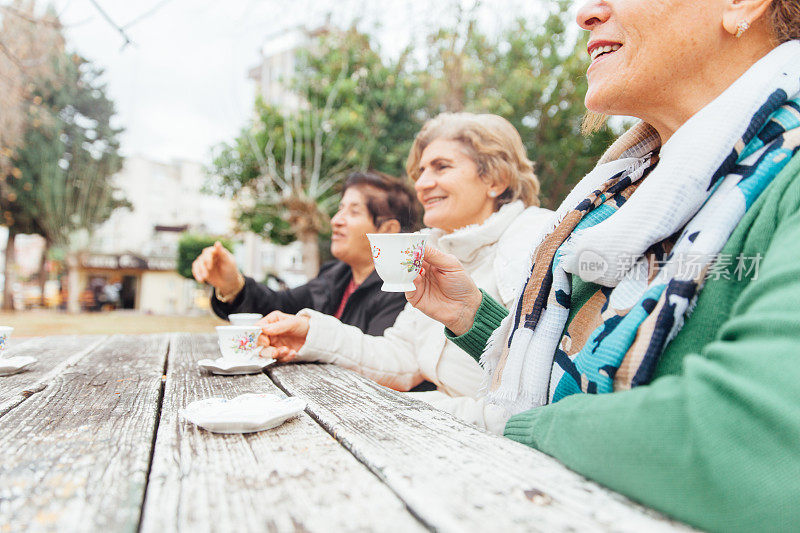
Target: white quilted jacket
[(495, 254)]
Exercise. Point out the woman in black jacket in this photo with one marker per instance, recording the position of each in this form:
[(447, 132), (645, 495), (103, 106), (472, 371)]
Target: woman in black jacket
[(348, 287)]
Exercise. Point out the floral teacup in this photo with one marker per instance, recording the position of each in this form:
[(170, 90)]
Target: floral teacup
[(5, 333), (238, 342), (398, 258)]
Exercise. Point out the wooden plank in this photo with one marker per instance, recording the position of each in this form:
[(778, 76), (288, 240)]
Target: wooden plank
[(76, 455), (55, 354), (291, 478), (453, 476)]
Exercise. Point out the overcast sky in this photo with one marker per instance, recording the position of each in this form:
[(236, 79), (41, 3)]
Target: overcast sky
[(182, 86)]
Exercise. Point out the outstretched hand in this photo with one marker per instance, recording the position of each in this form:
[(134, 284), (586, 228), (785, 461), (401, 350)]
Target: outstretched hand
[(216, 266), (445, 292), (282, 335)]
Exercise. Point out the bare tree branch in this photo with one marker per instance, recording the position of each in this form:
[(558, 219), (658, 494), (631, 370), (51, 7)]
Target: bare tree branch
[(48, 21), (288, 153), (327, 111), (273, 165), (256, 152), (146, 14), (10, 55), (112, 23)]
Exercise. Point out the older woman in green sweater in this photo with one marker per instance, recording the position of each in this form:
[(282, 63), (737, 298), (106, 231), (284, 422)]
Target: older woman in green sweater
[(655, 346)]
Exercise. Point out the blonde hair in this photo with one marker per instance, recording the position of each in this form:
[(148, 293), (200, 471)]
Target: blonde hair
[(592, 122), (492, 143)]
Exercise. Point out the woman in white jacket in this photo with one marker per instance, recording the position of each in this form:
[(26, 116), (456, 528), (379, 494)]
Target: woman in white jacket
[(480, 194)]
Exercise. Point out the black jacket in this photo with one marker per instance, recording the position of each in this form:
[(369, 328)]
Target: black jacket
[(368, 308)]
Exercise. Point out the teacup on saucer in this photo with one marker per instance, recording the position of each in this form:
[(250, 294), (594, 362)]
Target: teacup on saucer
[(238, 343), (232, 367)]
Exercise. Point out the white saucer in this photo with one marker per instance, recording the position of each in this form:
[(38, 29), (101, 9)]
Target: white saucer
[(12, 365), (244, 414), (228, 367)]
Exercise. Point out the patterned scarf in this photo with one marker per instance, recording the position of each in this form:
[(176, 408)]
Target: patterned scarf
[(650, 253)]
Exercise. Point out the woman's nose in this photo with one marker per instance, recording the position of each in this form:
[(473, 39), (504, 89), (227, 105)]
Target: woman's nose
[(424, 181), (593, 13)]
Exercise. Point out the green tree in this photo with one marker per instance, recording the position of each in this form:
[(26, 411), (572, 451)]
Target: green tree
[(60, 185), (285, 169), (533, 74), (380, 101), (189, 247), (27, 41)]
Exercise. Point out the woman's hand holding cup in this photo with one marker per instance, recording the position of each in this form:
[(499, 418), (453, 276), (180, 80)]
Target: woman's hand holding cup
[(282, 335), (445, 292)]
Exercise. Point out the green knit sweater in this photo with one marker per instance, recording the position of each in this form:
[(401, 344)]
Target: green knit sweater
[(714, 439)]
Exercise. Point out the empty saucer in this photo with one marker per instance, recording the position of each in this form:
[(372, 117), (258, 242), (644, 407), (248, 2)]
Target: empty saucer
[(244, 414), (228, 367), (12, 365)]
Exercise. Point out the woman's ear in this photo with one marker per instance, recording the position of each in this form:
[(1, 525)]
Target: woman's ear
[(389, 226), (496, 190), (739, 15)]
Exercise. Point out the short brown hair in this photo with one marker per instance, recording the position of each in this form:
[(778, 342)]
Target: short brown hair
[(495, 146), (387, 198)]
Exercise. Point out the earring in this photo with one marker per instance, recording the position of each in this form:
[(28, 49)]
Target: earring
[(741, 28), (492, 194)]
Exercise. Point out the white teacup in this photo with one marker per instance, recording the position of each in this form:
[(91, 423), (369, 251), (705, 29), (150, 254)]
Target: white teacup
[(244, 319), (238, 342), (398, 258), (5, 334)]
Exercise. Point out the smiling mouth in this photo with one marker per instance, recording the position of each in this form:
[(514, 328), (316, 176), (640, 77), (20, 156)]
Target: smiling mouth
[(429, 202), (604, 50)]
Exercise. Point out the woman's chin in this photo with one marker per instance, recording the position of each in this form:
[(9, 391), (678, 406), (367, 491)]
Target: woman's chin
[(338, 251), (432, 219), (603, 99), (594, 102)]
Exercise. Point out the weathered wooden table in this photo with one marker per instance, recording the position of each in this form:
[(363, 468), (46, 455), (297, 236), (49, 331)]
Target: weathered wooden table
[(91, 440)]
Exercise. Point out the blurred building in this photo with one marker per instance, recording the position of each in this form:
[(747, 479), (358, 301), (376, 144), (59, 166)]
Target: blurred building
[(272, 77), (279, 55), (133, 255), (262, 260), (28, 263), (131, 260), (167, 200)]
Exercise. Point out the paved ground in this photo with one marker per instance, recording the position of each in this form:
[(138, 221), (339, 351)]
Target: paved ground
[(40, 323)]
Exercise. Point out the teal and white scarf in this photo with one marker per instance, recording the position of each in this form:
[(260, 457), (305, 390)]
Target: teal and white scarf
[(689, 196)]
